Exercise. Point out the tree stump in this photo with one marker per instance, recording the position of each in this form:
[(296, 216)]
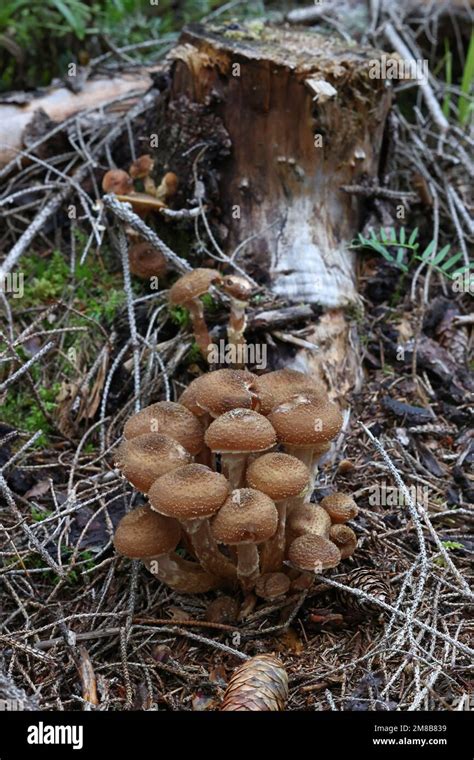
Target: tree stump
[(282, 119)]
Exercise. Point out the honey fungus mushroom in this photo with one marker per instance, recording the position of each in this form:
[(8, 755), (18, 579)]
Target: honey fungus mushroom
[(271, 586), (187, 292), (281, 477), (171, 419), (236, 434), (344, 538), (146, 261), (141, 168), (239, 291), (117, 181), (147, 457), (313, 553), (308, 518), (247, 518), (226, 389), (146, 535), (191, 494), (167, 187), (282, 384), (340, 507)]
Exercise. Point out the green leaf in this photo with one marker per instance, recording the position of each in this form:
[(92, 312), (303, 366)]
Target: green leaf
[(413, 236), (402, 235), (441, 255), (427, 252), (450, 262)]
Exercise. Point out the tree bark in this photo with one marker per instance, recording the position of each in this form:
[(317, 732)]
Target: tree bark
[(286, 118)]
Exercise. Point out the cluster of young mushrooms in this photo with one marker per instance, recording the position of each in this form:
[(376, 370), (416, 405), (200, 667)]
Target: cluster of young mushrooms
[(228, 472), (229, 469)]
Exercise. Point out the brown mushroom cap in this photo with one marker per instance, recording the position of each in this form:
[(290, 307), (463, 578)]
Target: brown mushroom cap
[(188, 397), (225, 389), (306, 421), (237, 287), (246, 517), (309, 518), (147, 457), (141, 167), (270, 586), (146, 261), (190, 492), (168, 186), (117, 181), (280, 476), (240, 431), (192, 285), (142, 534), (171, 419), (341, 507), (314, 553), (282, 384), (344, 538)]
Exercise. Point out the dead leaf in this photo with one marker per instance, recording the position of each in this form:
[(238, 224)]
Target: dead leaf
[(39, 489)]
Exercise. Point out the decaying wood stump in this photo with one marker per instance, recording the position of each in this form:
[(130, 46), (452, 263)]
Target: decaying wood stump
[(302, 117), (266, 124)]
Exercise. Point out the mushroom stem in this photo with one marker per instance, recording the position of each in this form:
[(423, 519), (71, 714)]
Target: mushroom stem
[(236, 327), (201, 333), (248, 565), (233, 467), (207, 551), (180, 574), (307, 456), (273, 551)]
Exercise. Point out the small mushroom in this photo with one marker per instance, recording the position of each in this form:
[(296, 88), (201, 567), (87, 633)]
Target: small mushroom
[(308, 518), (344, 538), (281, 477), (340, 507), (117, 181), (144, 534), (171, 419), (167, 187), (147, 457), (312, 554), (146, 261), (187, 292), (141, 168), (236, 434), (247, 518), (191, 494), (239, 291), (271, 586)]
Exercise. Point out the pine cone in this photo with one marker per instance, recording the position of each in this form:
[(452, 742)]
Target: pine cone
[(261, 684)]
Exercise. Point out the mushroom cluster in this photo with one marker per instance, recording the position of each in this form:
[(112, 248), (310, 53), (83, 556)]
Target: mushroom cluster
[(228, 472)]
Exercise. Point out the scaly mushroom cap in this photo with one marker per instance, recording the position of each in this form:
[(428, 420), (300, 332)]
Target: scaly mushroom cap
[(237, 287), (192, 285), (240, 431), (226, 389), (344, 538), (141, 167), (246, 517), (142, 534), (340, 507), (309, 518), (282, 384), (146, 261), (280, 476), (171, 419), (190, 492), (313, 553), (147, 457), (306, 421), (117, 181), (270, 586), (188, 397)]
